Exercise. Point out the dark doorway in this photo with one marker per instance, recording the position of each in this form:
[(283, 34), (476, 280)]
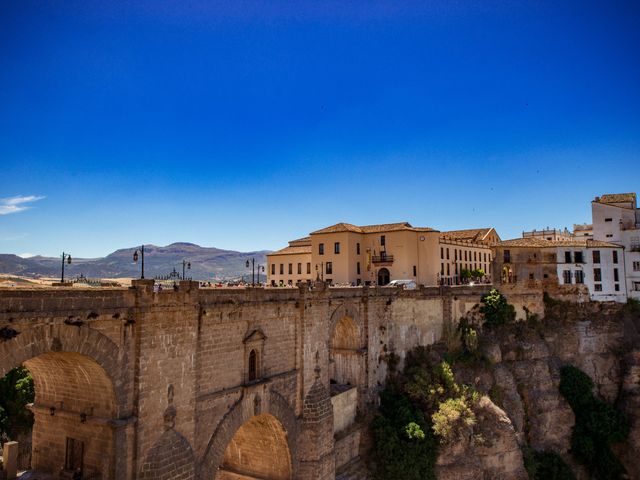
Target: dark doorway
[(384, 277), (75, 452)]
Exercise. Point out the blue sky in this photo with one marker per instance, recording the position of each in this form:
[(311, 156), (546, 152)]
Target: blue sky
[(244, 124)]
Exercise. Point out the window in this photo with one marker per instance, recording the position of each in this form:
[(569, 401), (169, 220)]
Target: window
[(357, 249), (566, 276), (358, 268), (282, 269), (615, 256), (507, 256), (609, 235), (567, 257), (415, 270), (308, 268), (447, 254), (448, 270), (291, 269), (596, 256), (597, 275), (608, 219), (636, 286), (329, 269), (382, 241), (442, 269), (579, 276), (475, 256), (465, 255), (636, 266), (615, 275), (617, 287), (273, 269), (455, 254), (299, 269), (336, 248), (442, 253), (578, 257), (321, 249), (597, 287), (531, 277), (253, 366)]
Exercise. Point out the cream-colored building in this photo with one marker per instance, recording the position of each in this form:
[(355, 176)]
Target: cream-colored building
[(466, 250), (346, 254), (291, 264)]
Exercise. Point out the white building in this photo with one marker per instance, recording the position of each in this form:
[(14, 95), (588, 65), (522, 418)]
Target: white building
[(616, 219), (596, 264)]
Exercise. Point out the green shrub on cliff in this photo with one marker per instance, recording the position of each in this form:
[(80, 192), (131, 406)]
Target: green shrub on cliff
[(496, 309), (421, 408), (597, 426), (16, 390)]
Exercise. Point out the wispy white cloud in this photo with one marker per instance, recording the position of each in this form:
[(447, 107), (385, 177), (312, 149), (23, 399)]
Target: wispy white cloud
[(12, 237), (17, 204)]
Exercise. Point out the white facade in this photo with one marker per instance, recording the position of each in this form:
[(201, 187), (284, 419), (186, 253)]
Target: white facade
[(600, 268), (616, 219)]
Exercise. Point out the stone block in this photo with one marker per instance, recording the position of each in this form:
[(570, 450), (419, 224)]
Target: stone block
[(10, 459)]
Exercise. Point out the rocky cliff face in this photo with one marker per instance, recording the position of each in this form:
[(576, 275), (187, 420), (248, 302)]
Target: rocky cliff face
[(521, 375)]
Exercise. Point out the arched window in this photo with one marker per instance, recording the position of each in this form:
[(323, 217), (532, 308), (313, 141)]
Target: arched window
[(253, 366)]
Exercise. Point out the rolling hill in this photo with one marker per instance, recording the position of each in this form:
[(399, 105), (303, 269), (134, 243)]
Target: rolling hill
[(207, 263)]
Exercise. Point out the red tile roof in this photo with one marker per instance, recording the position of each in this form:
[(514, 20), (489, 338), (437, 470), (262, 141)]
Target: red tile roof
[(536, 242), (386, 227)]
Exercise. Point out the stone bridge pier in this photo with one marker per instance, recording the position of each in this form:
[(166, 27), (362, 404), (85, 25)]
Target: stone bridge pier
[(200, 383)]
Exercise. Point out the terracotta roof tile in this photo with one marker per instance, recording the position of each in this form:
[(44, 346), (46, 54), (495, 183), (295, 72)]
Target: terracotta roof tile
[(295, 250), (536, 242), (471, 234), (299, 242), (385, 227), (617, 198)]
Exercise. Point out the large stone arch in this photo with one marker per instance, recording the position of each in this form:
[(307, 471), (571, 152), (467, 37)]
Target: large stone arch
[(254, 403), (34, 341), (170, 458), (347, 347), (80, 397)]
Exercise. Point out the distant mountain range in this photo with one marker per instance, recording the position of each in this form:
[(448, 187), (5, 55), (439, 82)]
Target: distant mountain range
[(206, 263)]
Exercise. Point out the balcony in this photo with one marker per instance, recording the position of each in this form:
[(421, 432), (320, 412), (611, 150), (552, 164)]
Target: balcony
[(382, 258)]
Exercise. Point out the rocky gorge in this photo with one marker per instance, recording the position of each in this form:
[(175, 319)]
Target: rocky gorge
[(516, 372)]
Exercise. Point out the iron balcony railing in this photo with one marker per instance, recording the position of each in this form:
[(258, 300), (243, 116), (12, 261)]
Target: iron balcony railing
[(384, 258)]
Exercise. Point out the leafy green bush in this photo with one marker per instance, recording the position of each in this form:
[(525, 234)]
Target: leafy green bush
[(420, 408), (453, 418), (496, 309), (16, 390), (405, 448), (597, 425)]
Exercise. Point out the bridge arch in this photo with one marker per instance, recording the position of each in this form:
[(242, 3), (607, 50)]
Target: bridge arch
[(346, 347), (260, 426), (79, 397)]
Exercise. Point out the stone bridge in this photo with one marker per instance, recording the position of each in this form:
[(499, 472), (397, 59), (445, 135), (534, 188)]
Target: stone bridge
[(204, 383)]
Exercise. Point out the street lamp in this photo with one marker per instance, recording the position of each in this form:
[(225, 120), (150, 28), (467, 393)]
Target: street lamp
[(253, 273), (135, 260), (187, 265), (65, 258)]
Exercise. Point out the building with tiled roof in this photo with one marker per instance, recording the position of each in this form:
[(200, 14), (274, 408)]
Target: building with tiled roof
[(488, 235), (616, 219), (593, 267), (348, 254)]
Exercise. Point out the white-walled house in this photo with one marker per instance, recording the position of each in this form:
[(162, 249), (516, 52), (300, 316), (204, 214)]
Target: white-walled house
[(616, 219), (596, 264)]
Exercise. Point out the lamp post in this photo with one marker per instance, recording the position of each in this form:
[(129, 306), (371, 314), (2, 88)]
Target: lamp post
[(187, 265), (65, 258), (135, 260), (253, 272)]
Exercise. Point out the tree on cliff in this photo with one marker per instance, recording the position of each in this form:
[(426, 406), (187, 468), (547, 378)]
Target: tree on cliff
[(16, 391)]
